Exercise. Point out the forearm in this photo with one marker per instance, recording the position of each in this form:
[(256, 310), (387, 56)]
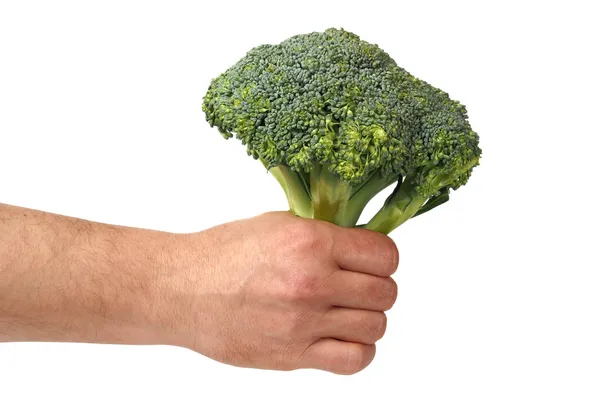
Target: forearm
[(67, 279)]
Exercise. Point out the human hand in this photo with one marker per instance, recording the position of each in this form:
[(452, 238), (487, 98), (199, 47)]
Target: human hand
[(280, 292)]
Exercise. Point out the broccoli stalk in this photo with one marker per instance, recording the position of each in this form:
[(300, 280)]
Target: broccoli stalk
[(400, 206), (321, 194), (296, 190)]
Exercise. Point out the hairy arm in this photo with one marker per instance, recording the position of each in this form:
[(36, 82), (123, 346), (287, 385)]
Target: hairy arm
[(67, 279)]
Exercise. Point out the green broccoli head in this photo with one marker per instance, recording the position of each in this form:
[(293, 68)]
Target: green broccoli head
[(336, 120)]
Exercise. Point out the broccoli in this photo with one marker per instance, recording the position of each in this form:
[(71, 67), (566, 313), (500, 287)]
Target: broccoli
[(335, 120)]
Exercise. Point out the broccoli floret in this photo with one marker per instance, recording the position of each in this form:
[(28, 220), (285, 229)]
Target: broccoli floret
[(336, 121)]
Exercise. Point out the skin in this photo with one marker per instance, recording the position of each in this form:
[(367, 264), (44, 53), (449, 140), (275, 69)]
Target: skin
[(273, 292)]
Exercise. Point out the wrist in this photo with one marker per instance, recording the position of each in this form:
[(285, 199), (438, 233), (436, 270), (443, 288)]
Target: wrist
[(173, 280), (140, 264)]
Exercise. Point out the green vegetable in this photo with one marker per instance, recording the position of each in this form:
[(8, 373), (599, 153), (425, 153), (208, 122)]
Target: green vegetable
[(335, 120)]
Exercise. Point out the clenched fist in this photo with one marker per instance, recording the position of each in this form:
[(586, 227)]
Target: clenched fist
[(282, 292)]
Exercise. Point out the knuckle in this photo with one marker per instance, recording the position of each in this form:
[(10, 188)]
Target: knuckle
[(388, 293), (355, 360), (383, 249), (395, 261), (378, 326), (382, 326), (301, 230), (305, 236), (390, 255), (303, 286), (295, 325)]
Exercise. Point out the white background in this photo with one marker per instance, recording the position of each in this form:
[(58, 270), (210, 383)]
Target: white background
[(100, 118)]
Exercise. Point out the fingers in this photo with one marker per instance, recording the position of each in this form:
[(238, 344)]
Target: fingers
[(362, 291), (365, 251), (344, 358), (352, 325)]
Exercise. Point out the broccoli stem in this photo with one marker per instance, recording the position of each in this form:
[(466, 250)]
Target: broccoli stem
[(433, 202), (399, 207), (364, 193), (322, 195), (329, 194), (295, 189)]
